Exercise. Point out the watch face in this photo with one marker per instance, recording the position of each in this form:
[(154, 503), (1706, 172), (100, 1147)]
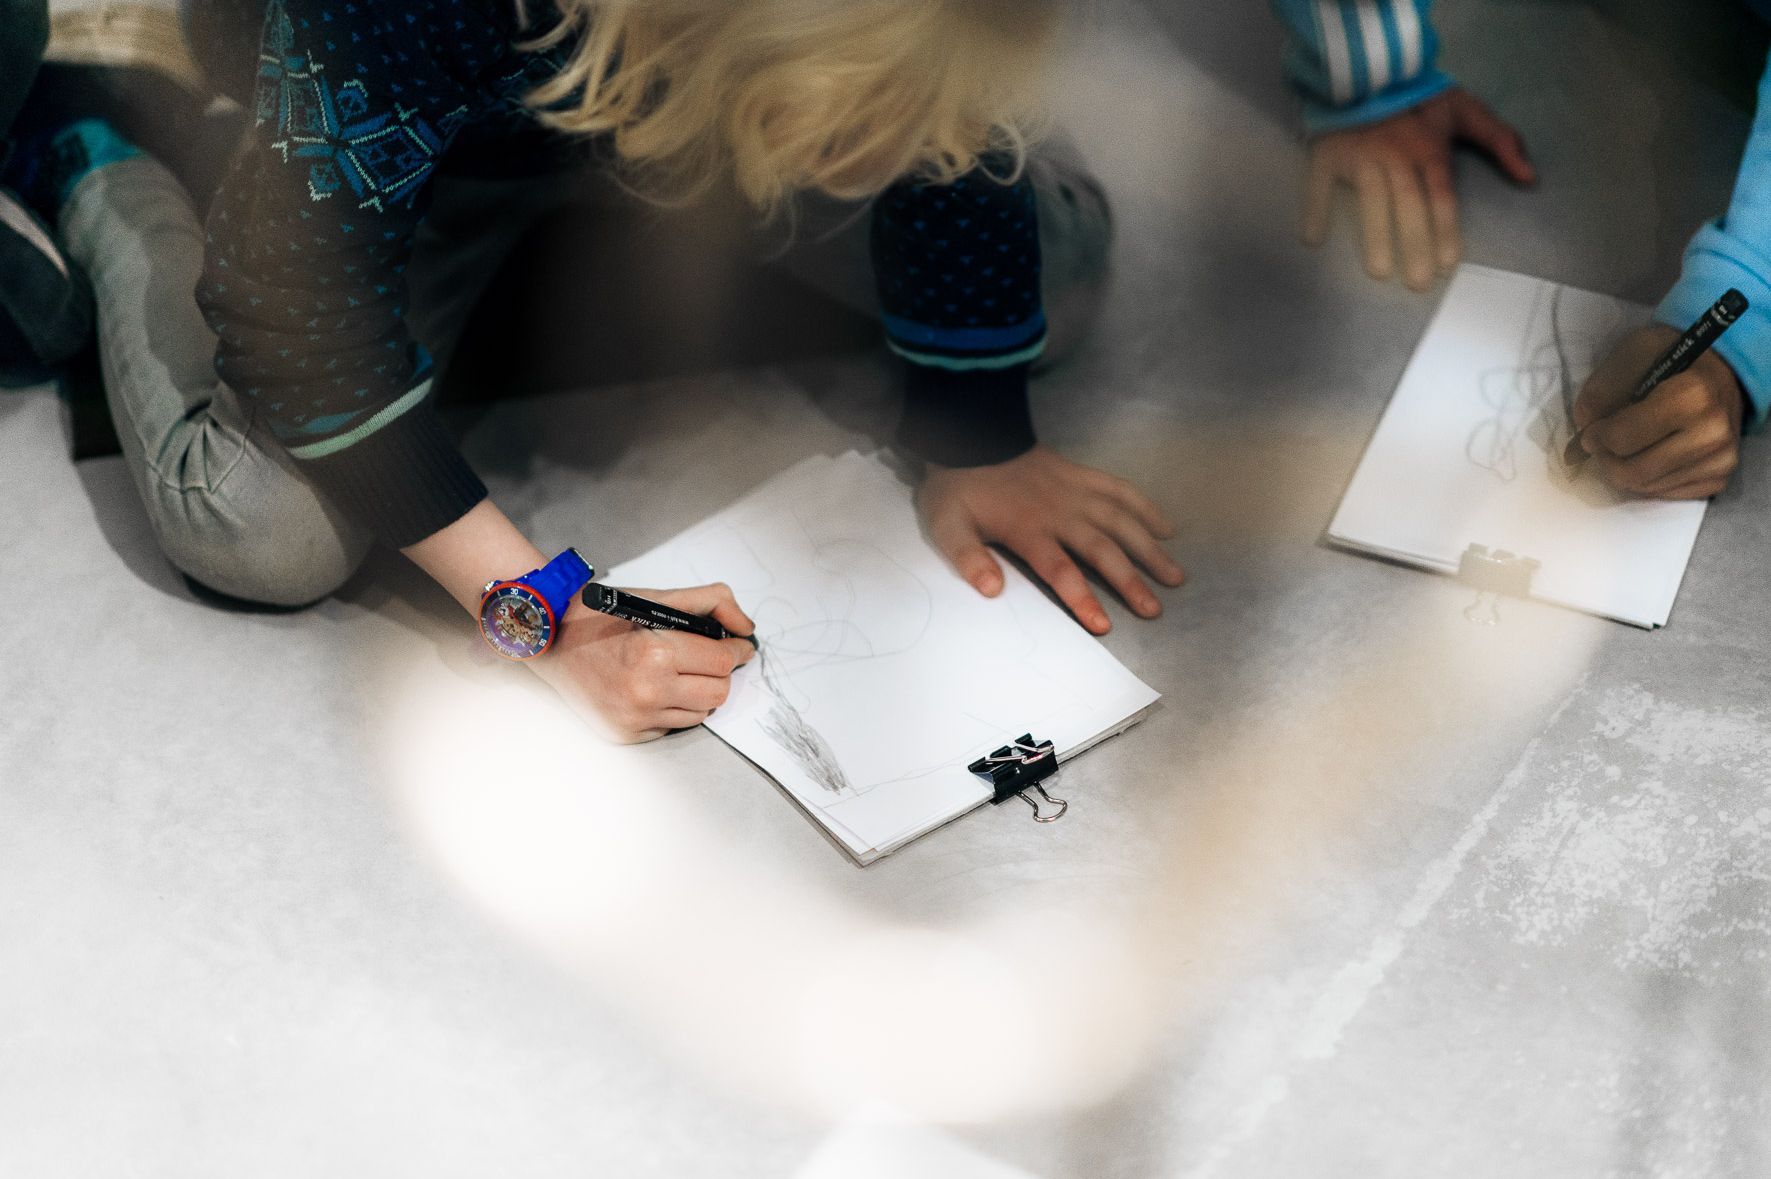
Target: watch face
[(516, 621)]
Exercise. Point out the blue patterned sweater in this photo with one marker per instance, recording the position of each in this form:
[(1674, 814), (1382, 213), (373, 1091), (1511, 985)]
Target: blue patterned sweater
[(357, 102)]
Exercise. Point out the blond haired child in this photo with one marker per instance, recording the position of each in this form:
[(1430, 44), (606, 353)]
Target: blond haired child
[(324, 319)]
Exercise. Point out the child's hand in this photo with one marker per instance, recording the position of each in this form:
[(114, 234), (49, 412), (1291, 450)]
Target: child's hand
[(1400, 168), (1680, 442), (1045, 508), (636, 684)]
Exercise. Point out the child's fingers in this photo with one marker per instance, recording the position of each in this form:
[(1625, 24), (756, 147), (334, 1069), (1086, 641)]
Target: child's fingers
[(979, 569), (957, 538), (1319, 186), (1442, 208), (699, 693), (1599, 398), (1672, 461), (715, 601), (1413, 225), (1635, 428), (630, 724), (1616, 377), (1127, 494), (1135, 539), (672, 719), (1701, 489), (1147, 511), (1481, 126), (1715, 463), (1104, 555), (1374, 216), (1054, 567), (697, 656), (1634, 474)]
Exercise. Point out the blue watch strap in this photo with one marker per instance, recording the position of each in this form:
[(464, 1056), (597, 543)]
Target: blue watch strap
[(559, 580)]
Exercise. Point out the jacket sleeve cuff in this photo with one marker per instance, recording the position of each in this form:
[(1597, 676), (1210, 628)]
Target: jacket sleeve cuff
[(1320, 118), (972, 418), (1714, 262), (404, 482)]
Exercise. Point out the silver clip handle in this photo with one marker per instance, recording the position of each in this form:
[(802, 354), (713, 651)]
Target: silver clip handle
[(1473, 612), (1039, 815)]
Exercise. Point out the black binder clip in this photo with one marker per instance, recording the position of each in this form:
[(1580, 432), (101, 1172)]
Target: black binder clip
[(1493, 574), (1019, 767)]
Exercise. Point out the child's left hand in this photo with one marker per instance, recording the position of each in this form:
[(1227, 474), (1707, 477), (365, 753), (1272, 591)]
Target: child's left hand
[(1045, 509), (1401, 169)]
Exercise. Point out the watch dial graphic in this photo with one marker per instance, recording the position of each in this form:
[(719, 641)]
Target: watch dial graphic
[(516, 622)]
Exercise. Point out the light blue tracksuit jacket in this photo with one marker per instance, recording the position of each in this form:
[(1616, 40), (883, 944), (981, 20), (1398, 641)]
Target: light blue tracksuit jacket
[(1735, 251)]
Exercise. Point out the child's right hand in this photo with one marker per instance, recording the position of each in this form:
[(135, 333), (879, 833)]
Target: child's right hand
[(636, 684), (1682, 442)]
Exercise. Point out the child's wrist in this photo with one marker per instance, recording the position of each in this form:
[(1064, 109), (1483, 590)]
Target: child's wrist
[(480, 547)]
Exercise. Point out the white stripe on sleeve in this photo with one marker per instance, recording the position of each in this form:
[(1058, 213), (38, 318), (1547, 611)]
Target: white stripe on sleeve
[(1377, 46), (1408, 32), (1336, 53)]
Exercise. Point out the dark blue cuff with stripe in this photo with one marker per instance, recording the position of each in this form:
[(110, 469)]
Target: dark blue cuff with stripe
[(966, 347)]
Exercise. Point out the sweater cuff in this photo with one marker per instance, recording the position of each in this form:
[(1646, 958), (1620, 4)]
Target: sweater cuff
[(1321, 118), (971, 418), (1714, 262), (404, 482)]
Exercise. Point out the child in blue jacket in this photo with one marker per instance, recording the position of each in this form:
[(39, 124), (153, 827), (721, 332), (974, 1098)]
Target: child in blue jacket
[(1385, 119)]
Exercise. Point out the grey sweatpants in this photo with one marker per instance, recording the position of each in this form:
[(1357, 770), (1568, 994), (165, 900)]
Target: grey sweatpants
[(229, 507)]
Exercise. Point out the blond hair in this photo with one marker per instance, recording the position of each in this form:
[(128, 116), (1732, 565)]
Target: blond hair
[(842, 96)]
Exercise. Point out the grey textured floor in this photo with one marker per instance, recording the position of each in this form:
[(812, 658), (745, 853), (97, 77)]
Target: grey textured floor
[(1375, 892)]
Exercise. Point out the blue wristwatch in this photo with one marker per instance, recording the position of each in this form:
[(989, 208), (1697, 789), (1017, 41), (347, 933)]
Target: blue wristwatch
[(520, 618)]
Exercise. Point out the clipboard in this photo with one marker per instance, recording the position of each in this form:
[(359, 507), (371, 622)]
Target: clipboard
[(888, 697), (1464, 474)]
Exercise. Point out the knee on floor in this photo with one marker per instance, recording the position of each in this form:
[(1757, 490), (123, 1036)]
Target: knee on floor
[(285, 563)]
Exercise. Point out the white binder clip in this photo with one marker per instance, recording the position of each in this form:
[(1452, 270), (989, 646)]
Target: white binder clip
[(1493, 574)]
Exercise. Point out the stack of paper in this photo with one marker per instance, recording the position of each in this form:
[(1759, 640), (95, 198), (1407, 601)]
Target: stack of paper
[(882, 674), (1469, 453)]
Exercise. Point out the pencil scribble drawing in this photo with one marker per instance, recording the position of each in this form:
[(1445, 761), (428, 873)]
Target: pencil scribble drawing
[(1534, 397), (788, 728), (863, 605)]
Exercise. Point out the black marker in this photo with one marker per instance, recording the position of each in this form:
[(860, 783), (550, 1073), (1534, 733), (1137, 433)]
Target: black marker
[(1675, 360), (656, 615)]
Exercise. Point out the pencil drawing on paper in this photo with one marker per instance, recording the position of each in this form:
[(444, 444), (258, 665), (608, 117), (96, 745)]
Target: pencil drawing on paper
[(789, 729), (1533, 398), (861, 605)]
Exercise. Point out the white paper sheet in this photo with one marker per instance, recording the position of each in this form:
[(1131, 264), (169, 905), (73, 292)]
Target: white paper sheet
[(1465, 452), (882, 674)]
